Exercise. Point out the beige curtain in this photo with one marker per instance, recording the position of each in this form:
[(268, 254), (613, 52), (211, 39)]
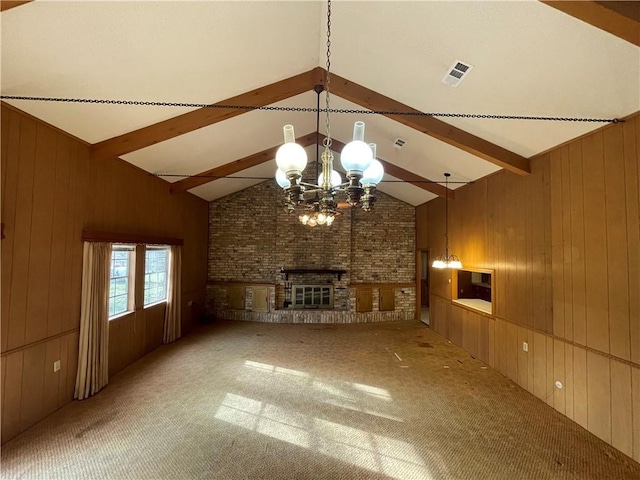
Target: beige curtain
[(172, 313), (93, 351)]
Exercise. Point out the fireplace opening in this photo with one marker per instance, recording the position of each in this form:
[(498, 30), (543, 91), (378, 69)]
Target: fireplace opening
[(312, 296)]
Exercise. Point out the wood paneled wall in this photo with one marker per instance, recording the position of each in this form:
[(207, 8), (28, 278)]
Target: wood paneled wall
[(565, 245), (51, 192)]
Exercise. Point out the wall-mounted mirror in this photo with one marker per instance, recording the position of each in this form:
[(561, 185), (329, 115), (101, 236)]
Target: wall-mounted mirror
[(474, 288)]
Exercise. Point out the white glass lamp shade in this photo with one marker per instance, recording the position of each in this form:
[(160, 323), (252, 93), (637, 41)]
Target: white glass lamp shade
[(455, 264), (291, 157), (336, 179), (356, 155), (282, 180), (372, 175), (439, 264)]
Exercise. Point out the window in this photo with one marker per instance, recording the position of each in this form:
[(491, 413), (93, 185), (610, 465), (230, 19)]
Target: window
[(120, 280), (312, 296), (474, 288), (156, 266)]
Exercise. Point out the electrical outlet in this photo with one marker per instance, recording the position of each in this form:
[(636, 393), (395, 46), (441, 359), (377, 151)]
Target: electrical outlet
[(190, 303), (525, 346), (56, 365)]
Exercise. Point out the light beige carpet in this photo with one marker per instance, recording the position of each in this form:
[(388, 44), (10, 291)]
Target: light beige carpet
[(263, 401)]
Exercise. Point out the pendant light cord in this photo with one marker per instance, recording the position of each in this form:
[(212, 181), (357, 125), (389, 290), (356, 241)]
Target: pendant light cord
[(446, 215)]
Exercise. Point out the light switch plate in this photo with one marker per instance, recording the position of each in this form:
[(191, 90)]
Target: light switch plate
[(56, 365)]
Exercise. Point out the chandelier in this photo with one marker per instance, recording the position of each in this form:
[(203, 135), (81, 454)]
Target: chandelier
[(447, 260), (318, 201)]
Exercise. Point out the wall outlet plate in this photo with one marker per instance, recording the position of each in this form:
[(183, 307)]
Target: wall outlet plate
[(525, 346), (56, 365)]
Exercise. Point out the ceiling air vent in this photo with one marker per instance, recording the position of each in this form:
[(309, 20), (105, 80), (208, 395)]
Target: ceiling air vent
[(456, 73), (399, 143)]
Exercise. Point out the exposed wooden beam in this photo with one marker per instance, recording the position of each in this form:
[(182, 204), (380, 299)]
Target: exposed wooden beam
[(7, 4), (236, 166), (203, 117), (430, 125), (618, 18), (402, 174)]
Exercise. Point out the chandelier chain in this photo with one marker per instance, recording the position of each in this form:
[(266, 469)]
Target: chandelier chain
[(276, 108), (327, 140)]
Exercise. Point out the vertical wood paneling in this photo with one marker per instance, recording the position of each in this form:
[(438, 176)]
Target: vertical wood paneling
[(617, 259), (50, 193), (547, 247), (31, 407), (72, 361), (599, 396), (58, 243), (491, 341), (64, 370), (512, 351), (540, 366), (51, 378), (580, 386), (576, 247), (565, 246), (595, 242), (621, 408), (41, 227), (12, 394), (523, 358), (550, 379), (631, 135), (561, 223), (22, 233), (559, 374), (568, 381), (10, 145), (635, 408)]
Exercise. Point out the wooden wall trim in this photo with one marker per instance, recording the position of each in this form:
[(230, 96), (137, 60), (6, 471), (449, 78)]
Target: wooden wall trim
[(135, 238), (44, 340)]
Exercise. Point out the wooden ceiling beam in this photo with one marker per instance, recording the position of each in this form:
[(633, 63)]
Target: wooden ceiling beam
[(430, 125), (236, 166), (203, 117), (402, 174), (8, 4), (618, 18)]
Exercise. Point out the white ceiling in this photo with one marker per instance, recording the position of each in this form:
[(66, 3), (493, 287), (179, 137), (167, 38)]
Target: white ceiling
[(528, 58)]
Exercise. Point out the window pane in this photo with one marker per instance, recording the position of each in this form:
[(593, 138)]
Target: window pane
[(155, 278), (119, 282)]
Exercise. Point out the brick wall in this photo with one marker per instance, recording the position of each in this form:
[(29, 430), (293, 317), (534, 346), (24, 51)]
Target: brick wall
[(251, 238)]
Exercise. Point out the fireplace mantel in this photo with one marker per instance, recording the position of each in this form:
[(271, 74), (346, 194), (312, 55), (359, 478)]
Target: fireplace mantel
[(331, 271)]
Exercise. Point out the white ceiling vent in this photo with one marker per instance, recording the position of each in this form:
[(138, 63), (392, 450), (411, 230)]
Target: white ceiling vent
[(399, 143), (456, 73)]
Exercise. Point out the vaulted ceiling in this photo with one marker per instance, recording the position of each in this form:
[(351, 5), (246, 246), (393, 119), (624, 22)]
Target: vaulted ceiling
[(568, 59)]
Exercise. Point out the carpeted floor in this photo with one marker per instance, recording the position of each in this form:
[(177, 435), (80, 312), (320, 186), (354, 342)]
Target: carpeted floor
[(263, 401)]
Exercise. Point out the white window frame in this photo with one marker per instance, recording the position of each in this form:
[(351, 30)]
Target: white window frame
[(131, 267), (156, 301)]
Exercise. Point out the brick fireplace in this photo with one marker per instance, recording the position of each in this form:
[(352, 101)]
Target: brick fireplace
[(258, 253)]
